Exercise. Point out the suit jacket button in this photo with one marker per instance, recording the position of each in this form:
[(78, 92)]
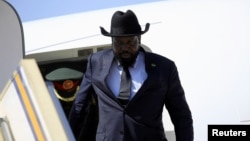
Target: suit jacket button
[(121, 132)]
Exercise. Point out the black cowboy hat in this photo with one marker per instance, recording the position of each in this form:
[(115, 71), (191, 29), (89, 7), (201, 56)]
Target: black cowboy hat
[(124, 24)]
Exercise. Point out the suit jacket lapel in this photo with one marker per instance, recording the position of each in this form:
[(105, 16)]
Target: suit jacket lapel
[(107, 62)]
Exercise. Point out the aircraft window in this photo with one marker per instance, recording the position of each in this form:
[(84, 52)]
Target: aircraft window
[(103, 48), (85, 52)]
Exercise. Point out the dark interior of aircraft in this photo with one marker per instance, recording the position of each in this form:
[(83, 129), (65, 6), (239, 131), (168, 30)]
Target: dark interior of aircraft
[(65, 95)]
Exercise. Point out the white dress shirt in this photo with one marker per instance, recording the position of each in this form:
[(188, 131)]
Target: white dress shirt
[(137, 72)]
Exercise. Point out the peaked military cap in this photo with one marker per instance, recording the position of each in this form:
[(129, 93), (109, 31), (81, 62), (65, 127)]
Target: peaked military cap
[(63, 74)]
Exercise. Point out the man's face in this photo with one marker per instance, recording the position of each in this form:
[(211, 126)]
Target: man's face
[(126, 49)]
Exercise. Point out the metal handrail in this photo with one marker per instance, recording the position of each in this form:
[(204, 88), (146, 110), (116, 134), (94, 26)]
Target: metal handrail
[(6, 130)]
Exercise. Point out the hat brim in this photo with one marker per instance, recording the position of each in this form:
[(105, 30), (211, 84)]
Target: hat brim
[(64, 74), (105, 33)]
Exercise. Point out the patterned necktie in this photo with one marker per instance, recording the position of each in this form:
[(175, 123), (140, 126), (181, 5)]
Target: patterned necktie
[(125, 87)]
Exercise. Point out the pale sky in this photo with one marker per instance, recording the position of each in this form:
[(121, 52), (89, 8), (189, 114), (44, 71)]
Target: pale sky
[(32, 10)]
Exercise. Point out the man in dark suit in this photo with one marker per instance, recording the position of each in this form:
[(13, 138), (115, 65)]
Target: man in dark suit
[(152, 80)]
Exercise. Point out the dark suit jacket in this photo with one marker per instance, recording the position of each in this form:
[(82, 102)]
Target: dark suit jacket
[(141, 120)]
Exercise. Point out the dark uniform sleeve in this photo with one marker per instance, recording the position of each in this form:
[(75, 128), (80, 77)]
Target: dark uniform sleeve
[(178, 108)]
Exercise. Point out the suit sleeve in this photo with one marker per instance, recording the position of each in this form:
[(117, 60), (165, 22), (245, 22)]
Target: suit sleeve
[(79, 108), (178, 108)]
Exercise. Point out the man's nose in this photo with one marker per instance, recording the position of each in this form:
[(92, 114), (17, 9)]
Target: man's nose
[(125, 46)]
